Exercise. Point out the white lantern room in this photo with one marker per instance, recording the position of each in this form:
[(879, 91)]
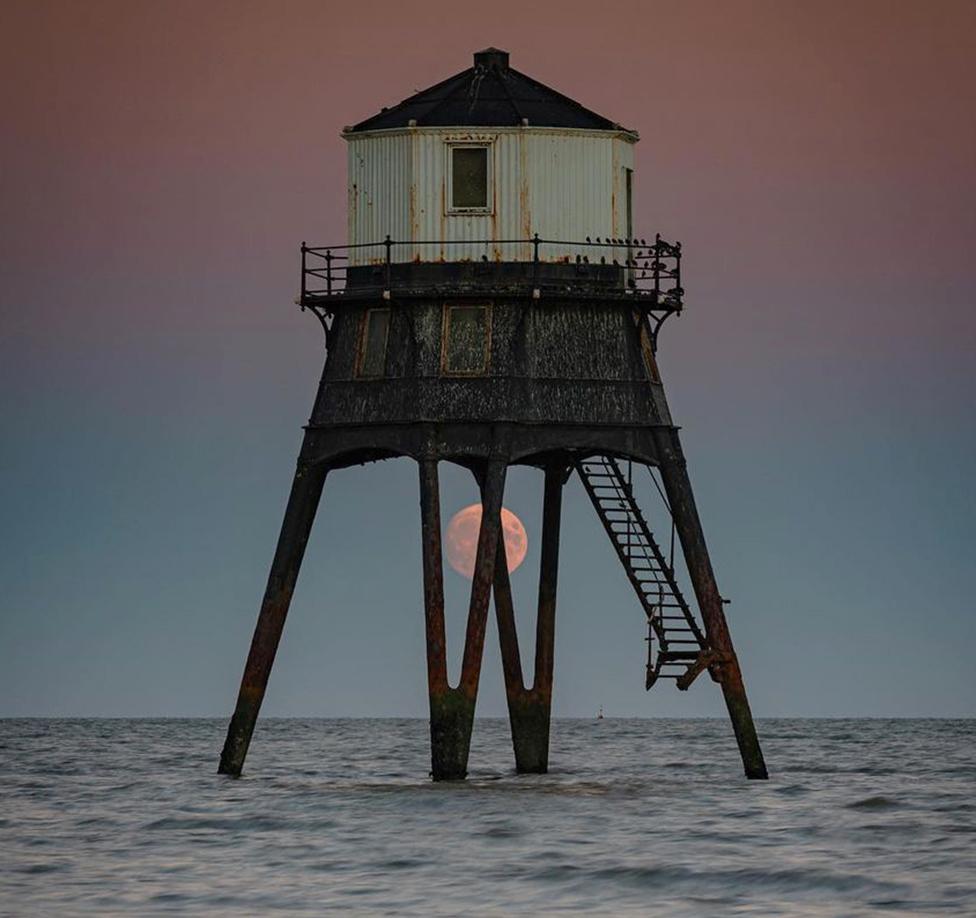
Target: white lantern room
[(473, 167)]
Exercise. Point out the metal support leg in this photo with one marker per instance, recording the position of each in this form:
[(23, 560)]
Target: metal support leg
[(303, 501), (677, 485), (452, 709), (529, 709)]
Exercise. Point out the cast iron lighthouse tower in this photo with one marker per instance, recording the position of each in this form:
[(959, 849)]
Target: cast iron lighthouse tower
[(494, 306)]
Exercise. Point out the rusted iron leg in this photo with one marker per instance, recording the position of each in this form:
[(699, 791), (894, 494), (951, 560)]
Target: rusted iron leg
[(529, 710), (452, 709), (303, 501), (545, 631), (443, 751), (677, 485), (523, 711)]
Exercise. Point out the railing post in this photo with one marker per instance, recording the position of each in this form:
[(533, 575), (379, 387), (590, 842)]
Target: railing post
[(535, 265), (302, 297), (657, 268), (677, 274), (389, 246), (328, 272)]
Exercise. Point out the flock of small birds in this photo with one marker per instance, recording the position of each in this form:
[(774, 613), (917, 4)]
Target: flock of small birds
[(609, 241)]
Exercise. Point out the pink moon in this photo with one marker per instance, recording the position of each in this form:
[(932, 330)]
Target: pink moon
[(461, 541)]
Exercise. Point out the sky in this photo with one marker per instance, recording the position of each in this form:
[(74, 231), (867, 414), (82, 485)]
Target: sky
[(160, 164)]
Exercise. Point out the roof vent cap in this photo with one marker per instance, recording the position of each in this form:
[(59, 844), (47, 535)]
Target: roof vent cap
[(491, 58)]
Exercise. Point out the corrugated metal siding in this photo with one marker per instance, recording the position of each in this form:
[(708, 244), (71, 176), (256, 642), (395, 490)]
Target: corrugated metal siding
[(562, 184), (379, 185), (570, 189)]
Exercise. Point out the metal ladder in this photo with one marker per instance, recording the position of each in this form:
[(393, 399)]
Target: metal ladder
[(681, 652)]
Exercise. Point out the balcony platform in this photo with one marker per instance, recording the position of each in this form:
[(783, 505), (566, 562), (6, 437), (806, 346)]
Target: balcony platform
[(596, 270)]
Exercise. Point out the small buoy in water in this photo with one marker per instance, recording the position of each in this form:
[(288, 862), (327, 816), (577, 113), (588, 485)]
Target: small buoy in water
[(600, 715)]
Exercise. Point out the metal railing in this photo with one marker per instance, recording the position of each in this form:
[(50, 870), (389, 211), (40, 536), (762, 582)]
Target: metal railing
[(618, 267)]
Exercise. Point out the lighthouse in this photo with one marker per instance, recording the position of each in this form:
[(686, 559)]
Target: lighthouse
[(495, 305)]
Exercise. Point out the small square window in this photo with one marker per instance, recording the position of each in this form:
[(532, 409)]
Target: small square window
[(467, 339), (469, 178), (372, 342)]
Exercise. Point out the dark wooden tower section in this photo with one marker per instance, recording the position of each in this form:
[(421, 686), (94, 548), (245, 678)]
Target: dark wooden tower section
[(489, 348)]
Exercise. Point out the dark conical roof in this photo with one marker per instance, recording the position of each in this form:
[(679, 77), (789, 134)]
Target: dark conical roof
[(489, 94)]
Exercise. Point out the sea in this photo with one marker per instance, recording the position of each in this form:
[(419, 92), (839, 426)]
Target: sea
[(636, 817)]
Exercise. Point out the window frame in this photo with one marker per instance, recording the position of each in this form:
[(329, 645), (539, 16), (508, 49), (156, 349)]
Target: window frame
[(488, 147), (445, 341), (364, 342)]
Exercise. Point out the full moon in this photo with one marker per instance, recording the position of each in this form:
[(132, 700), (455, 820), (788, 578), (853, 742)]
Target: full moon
[(461, 541)]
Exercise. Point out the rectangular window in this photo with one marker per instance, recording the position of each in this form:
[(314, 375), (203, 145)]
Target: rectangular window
[(469, 178), (372, 342), (467, 339)]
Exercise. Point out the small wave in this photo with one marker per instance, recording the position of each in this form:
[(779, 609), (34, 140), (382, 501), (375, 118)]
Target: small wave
[(400, 863), (503, 831), (793, 790), (874, 803), (248, 823), (48, 867)]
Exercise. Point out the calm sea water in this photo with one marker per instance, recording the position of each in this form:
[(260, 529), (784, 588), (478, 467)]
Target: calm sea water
[(637, 817)]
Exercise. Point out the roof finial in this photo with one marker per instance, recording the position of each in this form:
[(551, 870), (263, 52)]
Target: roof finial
[(491, 58)]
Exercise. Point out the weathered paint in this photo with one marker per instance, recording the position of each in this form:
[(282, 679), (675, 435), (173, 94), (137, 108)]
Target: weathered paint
[(398, 186), (555, 363), (380, 186)]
